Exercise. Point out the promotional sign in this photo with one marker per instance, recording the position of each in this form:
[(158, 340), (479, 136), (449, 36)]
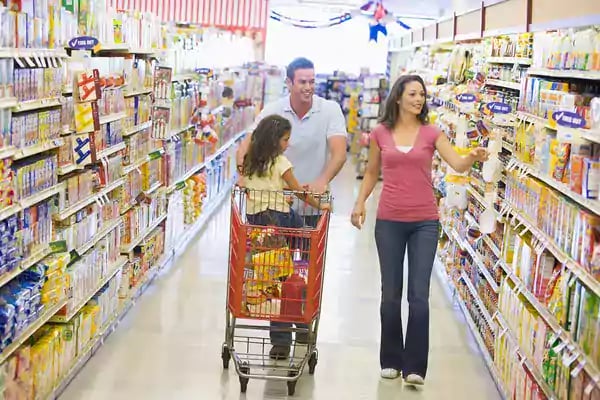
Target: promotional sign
[(83, 43), (499, 108), (568, 119), (466, 98)]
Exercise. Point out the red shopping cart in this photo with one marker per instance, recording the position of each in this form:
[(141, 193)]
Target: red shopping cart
[(275, 275)]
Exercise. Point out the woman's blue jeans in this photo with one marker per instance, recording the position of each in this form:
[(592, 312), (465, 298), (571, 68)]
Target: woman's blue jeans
[(392, 239)]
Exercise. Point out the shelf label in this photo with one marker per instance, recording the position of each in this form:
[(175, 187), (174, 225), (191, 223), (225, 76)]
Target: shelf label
[(568, 119), (497, 107), (59, 246), (466, 98), (83, 43)]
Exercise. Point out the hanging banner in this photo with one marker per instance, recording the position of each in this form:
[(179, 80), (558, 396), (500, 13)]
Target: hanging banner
[(243, 15)]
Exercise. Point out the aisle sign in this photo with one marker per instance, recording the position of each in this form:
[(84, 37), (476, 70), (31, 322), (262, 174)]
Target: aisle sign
[(83, 43), (466, 98), (568, 119), (499, 108)]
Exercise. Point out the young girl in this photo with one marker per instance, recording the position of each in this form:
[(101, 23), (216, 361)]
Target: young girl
[(266, 172)]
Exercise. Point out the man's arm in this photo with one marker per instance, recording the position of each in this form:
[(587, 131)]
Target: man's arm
[(336, 143)]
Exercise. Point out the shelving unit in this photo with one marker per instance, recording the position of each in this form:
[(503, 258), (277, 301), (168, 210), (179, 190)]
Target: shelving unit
[(86, 169), (536, 269)]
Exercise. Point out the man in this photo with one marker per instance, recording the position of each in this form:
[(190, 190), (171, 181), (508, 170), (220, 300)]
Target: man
[(317, 151)]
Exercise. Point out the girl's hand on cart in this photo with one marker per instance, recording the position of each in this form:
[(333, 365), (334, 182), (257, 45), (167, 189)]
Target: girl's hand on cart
[(358, 215)]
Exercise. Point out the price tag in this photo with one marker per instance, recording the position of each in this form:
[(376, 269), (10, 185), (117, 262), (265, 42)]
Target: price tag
[(97, 200), (569, 359), (578, 369), (572, 281), (524, 231), (558, 349)]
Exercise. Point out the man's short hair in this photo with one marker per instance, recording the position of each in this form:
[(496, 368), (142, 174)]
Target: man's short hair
[(298, 63)]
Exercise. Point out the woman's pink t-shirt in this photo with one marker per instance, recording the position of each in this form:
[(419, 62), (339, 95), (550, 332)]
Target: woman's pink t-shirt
[(407, 194)]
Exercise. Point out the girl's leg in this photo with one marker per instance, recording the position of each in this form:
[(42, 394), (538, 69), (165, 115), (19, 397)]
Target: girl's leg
[(422, 245), (390, 238)]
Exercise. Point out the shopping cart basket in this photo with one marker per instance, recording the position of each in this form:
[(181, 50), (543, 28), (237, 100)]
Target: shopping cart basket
[(275, 275)]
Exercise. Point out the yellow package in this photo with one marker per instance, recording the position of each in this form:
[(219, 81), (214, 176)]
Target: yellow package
[(272, 264)]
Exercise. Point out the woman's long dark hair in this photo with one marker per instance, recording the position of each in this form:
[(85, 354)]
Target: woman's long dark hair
[(265, 145), (391, 112)]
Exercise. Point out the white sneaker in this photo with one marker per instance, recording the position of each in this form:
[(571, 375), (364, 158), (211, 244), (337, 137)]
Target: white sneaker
[(414, 379), (390, 373)]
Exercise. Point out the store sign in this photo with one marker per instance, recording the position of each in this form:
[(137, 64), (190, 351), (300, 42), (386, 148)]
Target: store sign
[(466, 98), (83, 43), (499, 108), (568, 119)]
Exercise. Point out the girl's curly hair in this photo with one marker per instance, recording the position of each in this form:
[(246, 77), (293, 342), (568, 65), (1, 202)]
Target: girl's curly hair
[(264, 145)]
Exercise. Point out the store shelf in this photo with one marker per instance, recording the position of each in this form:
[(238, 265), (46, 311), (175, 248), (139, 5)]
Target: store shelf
[(17, 52), (7, 152), (153, 188), (524, 358), (65, 213), (30, 330), (184, 77), (67, 169), (556, 73), (137, 128), (9, 211), (128, 248), (36, 257), (590, 204), (7, 277), (484, 311), (477, 260), (112, 117), (207, 161), (42, 195), (98, 236), (137, 92), (33, 105), (8, 102), (135, 165), (176, 132), (584, 276), (591, 135), (550, 320), (504, 84), (509, 60), (111, 150), (489, 362), (37, 149), (114, 269), (205, 216)]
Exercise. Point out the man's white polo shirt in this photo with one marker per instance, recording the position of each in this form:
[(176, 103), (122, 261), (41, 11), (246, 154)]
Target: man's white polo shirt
[(308, 149)]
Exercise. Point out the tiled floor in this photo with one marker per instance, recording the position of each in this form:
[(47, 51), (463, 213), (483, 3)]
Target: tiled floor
[(168, 347)]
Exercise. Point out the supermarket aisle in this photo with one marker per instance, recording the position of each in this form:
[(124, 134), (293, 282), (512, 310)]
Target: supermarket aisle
[(169, 344)]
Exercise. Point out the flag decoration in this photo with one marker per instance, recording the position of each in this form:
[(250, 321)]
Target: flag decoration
[(372, 9), (238, 15)]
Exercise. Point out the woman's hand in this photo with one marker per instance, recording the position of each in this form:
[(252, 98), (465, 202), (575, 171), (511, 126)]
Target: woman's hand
[(325, 206), (479, 154), (358, 215)]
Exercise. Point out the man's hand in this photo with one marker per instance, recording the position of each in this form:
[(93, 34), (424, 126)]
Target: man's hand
[(319, 186)]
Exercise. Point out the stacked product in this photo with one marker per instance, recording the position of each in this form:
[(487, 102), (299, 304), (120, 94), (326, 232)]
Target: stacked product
[(86, 187), (521, 247)]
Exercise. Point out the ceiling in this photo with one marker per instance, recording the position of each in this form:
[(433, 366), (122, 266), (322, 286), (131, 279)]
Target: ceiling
[(401, 8)]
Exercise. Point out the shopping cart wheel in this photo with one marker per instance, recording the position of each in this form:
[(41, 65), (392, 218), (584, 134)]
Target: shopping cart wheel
[(291, 388), (292, 384), (312, 363), (244, 369), (226, 356)]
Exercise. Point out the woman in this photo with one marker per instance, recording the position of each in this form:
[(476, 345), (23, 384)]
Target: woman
[(403, 145)]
